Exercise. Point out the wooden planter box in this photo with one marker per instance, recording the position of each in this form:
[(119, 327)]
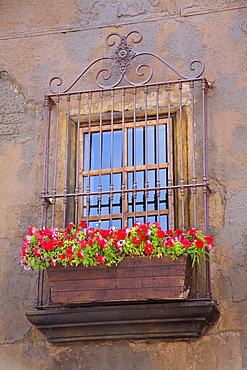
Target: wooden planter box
[(134, 278)]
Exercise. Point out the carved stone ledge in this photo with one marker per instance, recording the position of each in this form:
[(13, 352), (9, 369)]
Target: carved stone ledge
[(126, 320)]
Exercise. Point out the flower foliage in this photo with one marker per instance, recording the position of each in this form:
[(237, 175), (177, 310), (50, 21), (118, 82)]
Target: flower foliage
[(79, 244)]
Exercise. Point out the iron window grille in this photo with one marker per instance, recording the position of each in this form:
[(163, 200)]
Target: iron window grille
[(128, 149)]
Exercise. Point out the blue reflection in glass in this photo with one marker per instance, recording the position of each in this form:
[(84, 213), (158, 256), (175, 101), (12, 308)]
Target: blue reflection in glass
[(151, 145), (162, 144), (85, 156), (117, 148), (95, 155), (106, 145), (130, 146), (140, 154)]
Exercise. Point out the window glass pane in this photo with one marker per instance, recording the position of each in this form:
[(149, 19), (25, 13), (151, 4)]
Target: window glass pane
[(106, 145), (139, 194), (95, 151), (85, 154), (117, 223), (105, 197), (162, 144), (105, 224), (151, 194), (164, 222), (151, 145), (140, 146), (117, 150), (130, 146), (163, 193), (117, 206)]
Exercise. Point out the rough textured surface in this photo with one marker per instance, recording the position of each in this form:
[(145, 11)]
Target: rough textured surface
[(43, 39)]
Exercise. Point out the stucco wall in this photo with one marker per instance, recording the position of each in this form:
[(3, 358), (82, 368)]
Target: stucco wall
[(40, 39)]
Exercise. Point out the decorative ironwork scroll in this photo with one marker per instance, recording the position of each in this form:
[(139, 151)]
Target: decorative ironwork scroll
[(122, 56)]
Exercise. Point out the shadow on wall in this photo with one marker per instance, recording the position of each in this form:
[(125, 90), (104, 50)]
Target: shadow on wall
[(101, 358)]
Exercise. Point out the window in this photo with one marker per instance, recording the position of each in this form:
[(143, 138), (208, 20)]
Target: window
[(128, 149), (125, 155), (131, 149)]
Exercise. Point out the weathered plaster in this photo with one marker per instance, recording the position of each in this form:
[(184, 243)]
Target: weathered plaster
[(43, 39)]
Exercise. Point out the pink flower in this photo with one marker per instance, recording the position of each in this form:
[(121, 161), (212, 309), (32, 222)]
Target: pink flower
[(32, 230), (53, 261), (36, 251), (23, 251)]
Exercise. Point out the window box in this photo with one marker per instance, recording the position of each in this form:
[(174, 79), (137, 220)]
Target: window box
[(135, 278)]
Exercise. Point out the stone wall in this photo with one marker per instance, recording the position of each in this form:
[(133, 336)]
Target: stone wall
[(40, 39)]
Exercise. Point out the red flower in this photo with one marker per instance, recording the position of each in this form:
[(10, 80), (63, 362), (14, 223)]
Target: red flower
[(169, 233), (36, 251), (179, 232), (60, 243), (101, 259), (186, 243), (192, 232), (168, 243), (48, 244), (148, 247), (209, 239), (160, 234), (32, 230), (199, 243), (136, 241), (62, 256), (83, 225), (82, 243), (143, 237), (53, 261), (80, 254)]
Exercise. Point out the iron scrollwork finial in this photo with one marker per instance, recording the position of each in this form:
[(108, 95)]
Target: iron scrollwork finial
[(123, 54), (122, 57)]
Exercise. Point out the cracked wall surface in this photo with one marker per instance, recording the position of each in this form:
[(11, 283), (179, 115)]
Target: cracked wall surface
[(42, 39)]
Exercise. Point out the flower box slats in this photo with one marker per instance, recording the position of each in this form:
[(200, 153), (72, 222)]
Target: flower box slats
[(134, 278)]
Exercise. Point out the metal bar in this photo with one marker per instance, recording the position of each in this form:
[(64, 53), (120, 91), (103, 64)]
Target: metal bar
[(44, 202), (77, 159), (66, 163), (100, 156), (197, 280), (127, 190), (181, 153), (157, 148), (46, 161), (205, 179), (111, 196), (54, 190), (134, 194), (194, 190), (173, 82), (124, 181), (146, 152), (170, 160), (41, 289), (89, 156)]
